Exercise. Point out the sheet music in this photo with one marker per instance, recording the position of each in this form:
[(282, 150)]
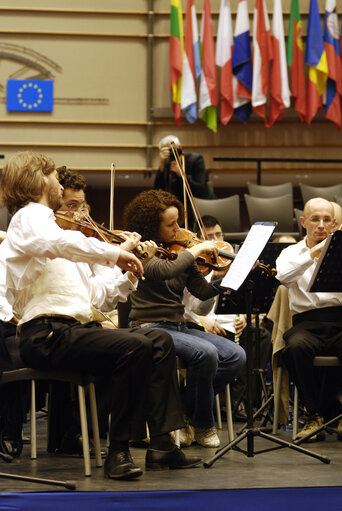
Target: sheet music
[(320, 260), (248, 254)]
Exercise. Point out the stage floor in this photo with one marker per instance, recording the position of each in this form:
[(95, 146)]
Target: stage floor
[(278, 469)]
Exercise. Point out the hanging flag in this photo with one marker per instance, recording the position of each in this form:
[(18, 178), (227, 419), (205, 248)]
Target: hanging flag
[(191, 64), (224, 50), (316, 59), (262, 55), (176, 57), (29, 95), (333, 52), (279, 84), (208, 96), (295, 60), (242, 64)]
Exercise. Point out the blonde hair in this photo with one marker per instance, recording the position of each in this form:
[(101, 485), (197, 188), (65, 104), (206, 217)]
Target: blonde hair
[(22, 179)]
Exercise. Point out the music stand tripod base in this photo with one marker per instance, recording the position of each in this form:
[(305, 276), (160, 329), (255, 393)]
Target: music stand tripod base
[(251, 431)]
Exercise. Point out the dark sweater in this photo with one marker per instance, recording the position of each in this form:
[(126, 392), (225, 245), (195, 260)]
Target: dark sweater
[(159, 297)]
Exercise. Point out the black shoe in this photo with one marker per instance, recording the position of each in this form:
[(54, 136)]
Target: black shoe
[(175, 458), (119, 465), (73, 446)]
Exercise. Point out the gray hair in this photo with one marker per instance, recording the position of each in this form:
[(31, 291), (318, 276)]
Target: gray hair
[(166, 141)]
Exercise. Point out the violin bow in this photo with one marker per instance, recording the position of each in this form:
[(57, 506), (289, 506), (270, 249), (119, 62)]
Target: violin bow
[(111, 204), (188, 190), (186, 219)]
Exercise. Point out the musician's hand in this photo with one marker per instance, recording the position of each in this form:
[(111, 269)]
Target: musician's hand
[(219, 274), (239, 323), (315, 251), (127, 261), (164, 154), (206, 246), (132, 240), (212, 326), (149, 248)]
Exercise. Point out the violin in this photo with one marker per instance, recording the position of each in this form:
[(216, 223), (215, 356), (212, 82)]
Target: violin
[(186, 239), (87, 226)]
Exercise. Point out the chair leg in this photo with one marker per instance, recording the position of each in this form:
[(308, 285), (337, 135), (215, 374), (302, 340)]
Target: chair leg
[(276, 400), (229, 415), (295, 414), (218, 411), (95, 424), (33, 432), (84, 430)]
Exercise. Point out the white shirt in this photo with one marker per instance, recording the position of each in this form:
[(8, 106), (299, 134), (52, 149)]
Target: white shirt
[(47, 270), (6, 312), (294, 269), (195, 307)]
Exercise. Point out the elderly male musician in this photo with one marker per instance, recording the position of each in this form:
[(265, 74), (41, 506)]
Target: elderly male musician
[(317, 324), (51, 288)]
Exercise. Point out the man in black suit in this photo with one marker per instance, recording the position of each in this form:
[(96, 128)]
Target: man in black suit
[(168, 177)]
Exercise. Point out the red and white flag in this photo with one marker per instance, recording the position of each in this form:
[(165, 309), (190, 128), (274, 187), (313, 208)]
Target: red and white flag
[(224, 52), (262, 55), (279, 85)]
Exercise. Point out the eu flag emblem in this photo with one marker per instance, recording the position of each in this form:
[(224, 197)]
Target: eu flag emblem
[(30, 95)]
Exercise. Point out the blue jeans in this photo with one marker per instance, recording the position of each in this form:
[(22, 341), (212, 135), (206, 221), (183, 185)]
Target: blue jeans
[(212, 361)]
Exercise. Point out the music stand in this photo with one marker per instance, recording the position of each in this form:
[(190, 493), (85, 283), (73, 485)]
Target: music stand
[(327, 278), (250, 431), (232, 302)]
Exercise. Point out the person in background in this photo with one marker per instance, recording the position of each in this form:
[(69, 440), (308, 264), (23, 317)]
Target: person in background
[(337, 215), (317, 325), (169, 178)]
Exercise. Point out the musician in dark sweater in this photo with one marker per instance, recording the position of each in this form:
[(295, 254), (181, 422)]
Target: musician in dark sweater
[(211, 360)]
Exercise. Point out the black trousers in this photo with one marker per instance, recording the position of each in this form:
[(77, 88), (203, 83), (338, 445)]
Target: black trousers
[(316, 332), (14, 397), (135, 370)]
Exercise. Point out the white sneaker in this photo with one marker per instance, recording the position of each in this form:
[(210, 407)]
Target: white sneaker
[(186, 435), (207, 437)]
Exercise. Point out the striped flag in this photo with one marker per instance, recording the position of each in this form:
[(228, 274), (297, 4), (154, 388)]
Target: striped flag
[(333, 51), (242, 64), (224, 48), (208, 96), (316, 59), (191, 64), (279, 86), (176, 57), (295, 60), (262, 55)]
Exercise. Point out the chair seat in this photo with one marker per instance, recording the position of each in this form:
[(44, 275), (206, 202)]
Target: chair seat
[(75, 378), (27, 373)]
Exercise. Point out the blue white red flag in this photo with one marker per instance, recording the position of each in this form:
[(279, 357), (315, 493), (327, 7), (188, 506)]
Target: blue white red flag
[(242, 64)]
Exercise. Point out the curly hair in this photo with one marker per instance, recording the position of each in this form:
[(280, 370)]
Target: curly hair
[(142, 214), (22, 179), (71, 179)]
